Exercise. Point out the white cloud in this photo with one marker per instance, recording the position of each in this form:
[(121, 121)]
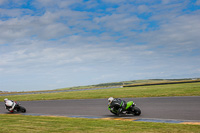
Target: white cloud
[(58, 43), (143, 8), (2, 2), (182, 31), (197, 2), (118, 22), (114, 1), (165, 1)]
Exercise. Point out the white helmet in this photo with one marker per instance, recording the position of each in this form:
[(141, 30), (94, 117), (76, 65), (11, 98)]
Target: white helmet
[(110, 99), (5, 99), (9, 103)]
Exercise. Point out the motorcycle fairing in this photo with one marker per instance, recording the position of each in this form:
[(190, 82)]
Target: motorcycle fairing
[(111, 110), (130, 103)]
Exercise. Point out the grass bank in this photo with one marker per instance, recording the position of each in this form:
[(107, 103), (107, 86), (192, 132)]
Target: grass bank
[(44, 124), (183, 89), (161, 83)]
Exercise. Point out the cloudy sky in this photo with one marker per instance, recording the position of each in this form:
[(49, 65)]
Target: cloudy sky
[(50, 44)]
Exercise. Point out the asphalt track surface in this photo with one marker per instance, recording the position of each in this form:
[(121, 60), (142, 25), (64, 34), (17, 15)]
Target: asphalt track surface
[(169, 108)]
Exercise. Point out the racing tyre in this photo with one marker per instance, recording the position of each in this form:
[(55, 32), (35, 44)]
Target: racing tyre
[(136, 111), (113, 113), (22, 109)]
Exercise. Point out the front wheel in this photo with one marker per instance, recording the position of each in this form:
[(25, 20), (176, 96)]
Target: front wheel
[(22, 109), (114, 113), (136, 111)]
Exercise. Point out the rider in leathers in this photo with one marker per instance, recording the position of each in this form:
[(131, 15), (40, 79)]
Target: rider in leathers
[(116, 105), (9, 104)]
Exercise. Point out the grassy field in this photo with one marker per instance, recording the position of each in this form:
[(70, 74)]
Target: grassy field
[(183, 89), (44, 124)]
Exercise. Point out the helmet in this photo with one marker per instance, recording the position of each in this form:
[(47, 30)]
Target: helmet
[(9, 103), (5, 99), (110, 99)]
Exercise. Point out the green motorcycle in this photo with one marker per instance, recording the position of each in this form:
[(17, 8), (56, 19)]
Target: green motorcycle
[(130, 108)]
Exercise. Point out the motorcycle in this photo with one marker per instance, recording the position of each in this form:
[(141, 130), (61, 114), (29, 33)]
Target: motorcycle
[(130, 109), (17, 109)]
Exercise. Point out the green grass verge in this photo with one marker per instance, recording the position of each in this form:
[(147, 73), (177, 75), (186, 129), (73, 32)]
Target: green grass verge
[(183, 89), (44, 124)]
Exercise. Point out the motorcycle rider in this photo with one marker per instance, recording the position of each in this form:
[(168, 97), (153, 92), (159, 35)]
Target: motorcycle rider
[(116, 105), (9, 104)]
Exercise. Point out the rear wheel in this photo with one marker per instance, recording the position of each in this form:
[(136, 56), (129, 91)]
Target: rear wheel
[(136, 111)]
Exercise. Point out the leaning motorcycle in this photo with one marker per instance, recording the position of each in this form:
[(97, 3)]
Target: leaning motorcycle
[(130, 109), (17, 109)]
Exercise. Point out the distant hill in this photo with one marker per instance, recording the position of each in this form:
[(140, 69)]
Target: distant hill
[(147, 81), (131, 83)]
